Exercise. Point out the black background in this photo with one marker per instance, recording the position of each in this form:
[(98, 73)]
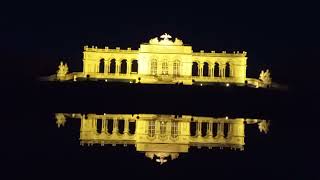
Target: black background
[(35, 36)]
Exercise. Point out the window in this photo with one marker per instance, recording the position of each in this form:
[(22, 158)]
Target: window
[(152, 128), (154, 67), (176, 68), (165, 67), (174, 129)]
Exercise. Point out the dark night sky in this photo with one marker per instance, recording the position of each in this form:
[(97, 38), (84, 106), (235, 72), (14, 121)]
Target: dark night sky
[(35, 37), (281, 36)]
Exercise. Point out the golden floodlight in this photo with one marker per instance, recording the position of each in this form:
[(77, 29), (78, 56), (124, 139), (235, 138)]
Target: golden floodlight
[(163, 61)]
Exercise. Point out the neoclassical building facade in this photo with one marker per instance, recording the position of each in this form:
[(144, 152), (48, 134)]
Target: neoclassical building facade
[(163, 61), (161, 136)]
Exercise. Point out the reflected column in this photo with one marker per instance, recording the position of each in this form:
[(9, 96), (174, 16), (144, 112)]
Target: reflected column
[(209, 129), (115, 128)]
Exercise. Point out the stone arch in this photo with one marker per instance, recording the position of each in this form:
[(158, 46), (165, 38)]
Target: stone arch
[(195, 69), (228, 70), (112, 66), (216, 70), (134, 66), (205, 69), (123, 66), (101, 66)]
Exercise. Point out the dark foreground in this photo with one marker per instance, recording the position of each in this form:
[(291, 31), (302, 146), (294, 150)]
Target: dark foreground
[(40, 150)]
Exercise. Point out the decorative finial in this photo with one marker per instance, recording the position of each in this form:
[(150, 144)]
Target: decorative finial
[(165, 36)]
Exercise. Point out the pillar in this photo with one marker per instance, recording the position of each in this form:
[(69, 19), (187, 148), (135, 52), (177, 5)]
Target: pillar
[(220, 129), (223, 70), (201, 69), (115, 128), (106, 67), (209, 70), (198, 128), (126, 126), (104, 126), (209, 129), (118, 63), (109, 65), (129, 64)]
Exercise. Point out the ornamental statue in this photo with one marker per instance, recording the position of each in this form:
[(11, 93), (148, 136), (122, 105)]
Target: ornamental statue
[(264, 126), (61, 119), (62, 69), (265, 77)]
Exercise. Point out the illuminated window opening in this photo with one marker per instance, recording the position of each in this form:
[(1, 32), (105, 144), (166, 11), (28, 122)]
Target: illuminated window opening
[(174, 129), (176, 68), (154, 67), (165, 67), (152, 128)]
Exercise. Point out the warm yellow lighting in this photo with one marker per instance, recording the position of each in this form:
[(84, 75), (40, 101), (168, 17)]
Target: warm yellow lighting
[(164, 61), (162, 136), (200, 84), (227, 84)]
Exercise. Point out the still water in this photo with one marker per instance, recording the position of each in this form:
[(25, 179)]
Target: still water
[(125, 145)]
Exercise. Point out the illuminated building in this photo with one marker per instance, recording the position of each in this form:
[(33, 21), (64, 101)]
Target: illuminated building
[(162, 136), (163, 61)]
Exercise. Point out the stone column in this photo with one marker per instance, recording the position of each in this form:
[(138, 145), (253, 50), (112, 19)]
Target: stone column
[(129, 64), (104, 126), (106, 67), (222, 70), (109, 65), (118, 63), (126, 126), (115, 126), (201, 69), (198, 129), (209, 129), (220, 129)]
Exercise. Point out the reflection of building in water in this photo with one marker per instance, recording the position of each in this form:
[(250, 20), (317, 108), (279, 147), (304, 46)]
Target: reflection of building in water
[(164, 61), (162, 136)]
